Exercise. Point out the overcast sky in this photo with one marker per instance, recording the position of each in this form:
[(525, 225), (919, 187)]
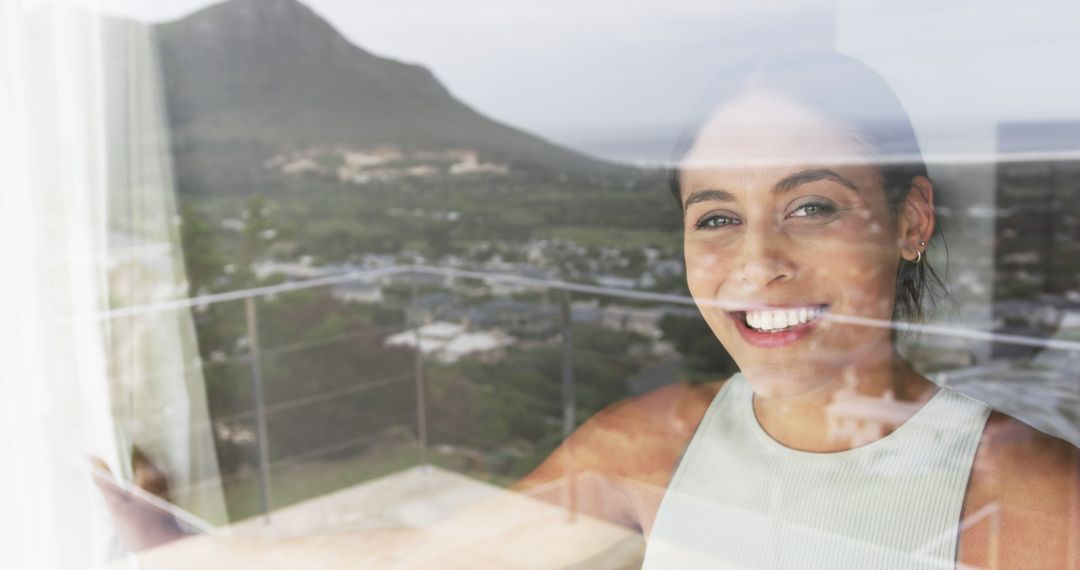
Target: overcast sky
[(616, 77)]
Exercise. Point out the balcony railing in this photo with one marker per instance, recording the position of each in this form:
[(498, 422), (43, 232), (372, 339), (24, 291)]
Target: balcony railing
[(255, 354)]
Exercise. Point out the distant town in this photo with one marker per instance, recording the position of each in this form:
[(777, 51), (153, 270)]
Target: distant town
[(384, 163)]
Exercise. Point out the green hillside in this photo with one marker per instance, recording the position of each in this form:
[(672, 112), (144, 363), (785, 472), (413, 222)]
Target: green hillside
[(247, 79)]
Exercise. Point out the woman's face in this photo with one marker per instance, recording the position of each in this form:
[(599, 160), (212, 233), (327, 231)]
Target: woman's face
[(786, 225)]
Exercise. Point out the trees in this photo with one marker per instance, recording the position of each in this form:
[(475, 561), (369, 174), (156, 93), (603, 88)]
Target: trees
[(706, 358), (514, 406)]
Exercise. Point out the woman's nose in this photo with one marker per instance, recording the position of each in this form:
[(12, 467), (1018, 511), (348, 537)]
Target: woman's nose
[(764, 259)]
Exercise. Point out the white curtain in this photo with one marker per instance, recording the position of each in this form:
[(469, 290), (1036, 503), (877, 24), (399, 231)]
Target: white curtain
[(88, 227), (159, 395)]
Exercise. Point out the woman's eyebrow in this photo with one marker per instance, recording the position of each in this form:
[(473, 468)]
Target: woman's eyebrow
[(789, 182), (708, 195), (793, 181)]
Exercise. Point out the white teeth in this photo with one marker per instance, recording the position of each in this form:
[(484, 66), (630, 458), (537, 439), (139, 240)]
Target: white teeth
[(781, 319), (768, 319)]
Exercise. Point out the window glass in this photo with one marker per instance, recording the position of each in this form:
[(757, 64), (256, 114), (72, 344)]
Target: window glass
[(556, 285)]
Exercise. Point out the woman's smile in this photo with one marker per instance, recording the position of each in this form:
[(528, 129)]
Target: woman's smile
[(776, 319), (777, 326)]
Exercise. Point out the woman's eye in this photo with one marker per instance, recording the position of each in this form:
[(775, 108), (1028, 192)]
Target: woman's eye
[(812, 209), (715, 221)]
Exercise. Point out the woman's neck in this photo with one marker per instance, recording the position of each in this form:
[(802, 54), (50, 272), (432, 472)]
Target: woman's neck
[(866, 402)]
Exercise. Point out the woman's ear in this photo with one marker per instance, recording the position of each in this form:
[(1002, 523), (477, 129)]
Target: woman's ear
[(916, 218)]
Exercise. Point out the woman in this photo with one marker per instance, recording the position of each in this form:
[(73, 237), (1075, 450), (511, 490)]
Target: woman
[(807, 213)]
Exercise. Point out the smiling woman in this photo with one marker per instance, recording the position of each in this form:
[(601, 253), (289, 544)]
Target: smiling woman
[(807, 210), (786, 209)]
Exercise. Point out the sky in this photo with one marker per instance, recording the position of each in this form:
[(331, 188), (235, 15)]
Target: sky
[(617, 78)]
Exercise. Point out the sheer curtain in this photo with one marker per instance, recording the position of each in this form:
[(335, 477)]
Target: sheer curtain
[(90, 239)]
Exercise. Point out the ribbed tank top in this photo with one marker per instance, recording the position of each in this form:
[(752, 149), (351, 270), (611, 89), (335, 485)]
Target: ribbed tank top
[(740, 499)]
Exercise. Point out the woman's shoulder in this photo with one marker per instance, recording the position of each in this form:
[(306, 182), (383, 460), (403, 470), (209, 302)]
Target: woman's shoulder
[(627, 452), (1029, 483), (1013, 456), (676, 408), (657, 426), (1017, 454)]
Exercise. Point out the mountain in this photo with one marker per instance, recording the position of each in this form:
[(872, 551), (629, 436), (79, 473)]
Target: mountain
[(245, 79)]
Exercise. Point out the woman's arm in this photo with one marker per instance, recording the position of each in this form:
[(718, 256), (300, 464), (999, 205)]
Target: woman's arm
[(617, 465), (1023, 500)]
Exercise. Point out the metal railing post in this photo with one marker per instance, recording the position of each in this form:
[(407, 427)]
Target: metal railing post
[(261, 437), (421, 400), (569, 405)]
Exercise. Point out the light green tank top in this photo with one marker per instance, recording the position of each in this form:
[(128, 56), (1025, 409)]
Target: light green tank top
[(740, 499)]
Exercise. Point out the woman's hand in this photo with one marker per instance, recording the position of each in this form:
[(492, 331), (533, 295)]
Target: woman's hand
[(140, 514)]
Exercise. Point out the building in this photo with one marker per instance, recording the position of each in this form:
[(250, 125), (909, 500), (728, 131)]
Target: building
[(522, 319), (1037, 224), (358, 292), (450, 342), (643, 321)]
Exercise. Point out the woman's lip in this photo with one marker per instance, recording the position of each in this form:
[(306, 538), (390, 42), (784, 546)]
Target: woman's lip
[(773, 339), (744, 309)]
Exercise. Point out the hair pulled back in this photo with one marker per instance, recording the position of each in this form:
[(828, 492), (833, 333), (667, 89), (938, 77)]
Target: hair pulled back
[(853, 95)]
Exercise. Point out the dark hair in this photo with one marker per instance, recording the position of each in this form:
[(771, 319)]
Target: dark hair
[(849, 92)]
